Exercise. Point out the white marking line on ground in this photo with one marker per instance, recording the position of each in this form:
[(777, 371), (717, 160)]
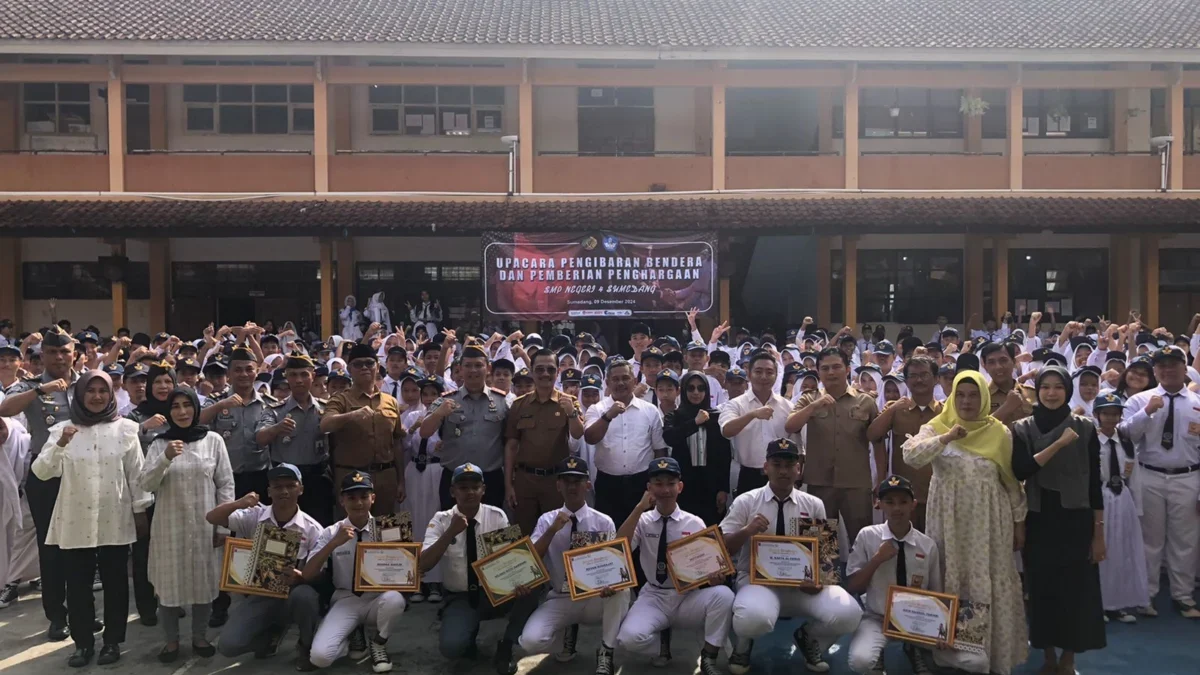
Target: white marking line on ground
[(186, 665), (34, 652)]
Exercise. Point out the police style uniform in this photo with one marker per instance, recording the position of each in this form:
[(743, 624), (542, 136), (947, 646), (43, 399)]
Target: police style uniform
[(248, 459), (42, 413), (307, 448), (474, 433)]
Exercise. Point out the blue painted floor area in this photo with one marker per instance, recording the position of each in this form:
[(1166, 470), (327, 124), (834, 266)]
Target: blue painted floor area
[(1168, 645)]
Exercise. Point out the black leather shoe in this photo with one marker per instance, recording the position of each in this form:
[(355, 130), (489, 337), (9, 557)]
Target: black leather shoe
[(109, 654), (503, 660), (81, 657), (148, 619), (97, 625), (58, 631), (218, 618)]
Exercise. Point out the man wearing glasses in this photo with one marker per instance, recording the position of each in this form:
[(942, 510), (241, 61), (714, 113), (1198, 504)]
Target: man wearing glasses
[(367, 435)]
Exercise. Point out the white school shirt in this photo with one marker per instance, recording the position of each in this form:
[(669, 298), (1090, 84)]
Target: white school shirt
[(1146, 430), (920, 562), (342, 557), (631, 439), (245, 521), (587, 519), (750, 444), (799, 504), (454, 561), (646, 535)]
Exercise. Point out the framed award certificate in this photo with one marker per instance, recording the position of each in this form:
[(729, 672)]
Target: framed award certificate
[(785, 561), (920, 616), (691, 560), (388, 566), (517, 564), (236, 570), (592, 568)]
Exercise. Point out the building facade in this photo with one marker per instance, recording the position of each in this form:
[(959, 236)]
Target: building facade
[(889, 161)]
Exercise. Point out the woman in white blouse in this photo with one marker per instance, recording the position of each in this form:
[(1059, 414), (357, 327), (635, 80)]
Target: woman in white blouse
[(188, 469), (99, 511)]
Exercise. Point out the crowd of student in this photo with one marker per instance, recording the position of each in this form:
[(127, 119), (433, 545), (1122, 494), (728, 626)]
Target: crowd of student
[(1048, 477)]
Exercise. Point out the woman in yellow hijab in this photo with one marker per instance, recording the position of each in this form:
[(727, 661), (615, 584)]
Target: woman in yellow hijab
[(974, 503)]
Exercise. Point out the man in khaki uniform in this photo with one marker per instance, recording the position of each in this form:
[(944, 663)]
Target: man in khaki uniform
[(905, 417)]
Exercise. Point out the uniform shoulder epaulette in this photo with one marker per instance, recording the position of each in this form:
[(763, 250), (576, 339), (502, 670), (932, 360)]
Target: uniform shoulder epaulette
[(33, 379), (449, 392), (496, 391), (322, 401), (269, 398), (274, 404)]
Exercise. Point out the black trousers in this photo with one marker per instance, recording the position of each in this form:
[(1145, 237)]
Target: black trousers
[(42, 495), (317, 500), (494, 480), (616, 496), (81, 603), (143, 590), (243, 484), (749, 478)]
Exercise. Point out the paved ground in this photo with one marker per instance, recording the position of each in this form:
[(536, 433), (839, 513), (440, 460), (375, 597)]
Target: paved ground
[(1163, 646)]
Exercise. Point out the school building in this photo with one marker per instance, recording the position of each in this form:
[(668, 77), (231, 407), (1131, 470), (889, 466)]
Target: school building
[(164, 163)]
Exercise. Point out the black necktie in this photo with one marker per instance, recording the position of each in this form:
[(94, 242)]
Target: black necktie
[(660, 574), (779, 517), (396, 390), (901, 565), (359, 534), (1115, 476), (1168, 434), (574, 526), (472, 556)]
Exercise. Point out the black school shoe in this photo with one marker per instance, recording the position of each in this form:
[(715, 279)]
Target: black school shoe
[(218, 618), (81, 657), (503, 660), (109, 653), (58, 631)]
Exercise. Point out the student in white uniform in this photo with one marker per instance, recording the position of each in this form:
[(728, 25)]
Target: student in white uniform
[(453, 536), (423, 479), (1164, 425), (655, 522), (559, 614), (342, 632), (893, 553), (18, 541), (771, 509)]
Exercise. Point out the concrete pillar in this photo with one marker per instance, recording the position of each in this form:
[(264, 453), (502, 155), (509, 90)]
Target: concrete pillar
[(850, 279), (321, 109), (850, 137), (116, 130), (1015, 137), (718, 136)]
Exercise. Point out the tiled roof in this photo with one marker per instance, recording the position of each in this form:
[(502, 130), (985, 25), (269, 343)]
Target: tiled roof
[(806, 215), (667, 24)]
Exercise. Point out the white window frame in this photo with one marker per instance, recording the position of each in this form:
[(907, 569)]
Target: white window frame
[(215, 106)]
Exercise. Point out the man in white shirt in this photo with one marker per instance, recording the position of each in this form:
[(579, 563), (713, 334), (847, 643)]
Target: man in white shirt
[(753, 420), (257, 622), (627, 433), (342, 632), (453, 535), (774, 509), (1164, 424), (655, 522), (555, 534)]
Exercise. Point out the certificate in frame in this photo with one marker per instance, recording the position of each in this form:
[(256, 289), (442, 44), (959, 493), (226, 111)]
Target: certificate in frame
[(704, 550), (793, 562), (607, 556), (376, 564), (235, 569), (919, 616), (515, 564)]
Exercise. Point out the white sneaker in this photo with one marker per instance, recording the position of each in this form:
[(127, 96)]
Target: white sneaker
[(380, 661), (1126, 617), (416, 598), (358, 644), (1148, 611), (814, 660), (570, 639)]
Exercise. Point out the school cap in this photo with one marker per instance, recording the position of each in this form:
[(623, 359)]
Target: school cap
[(522, 374), (187, 364), (87, 336), (885, 347), (669, 375), (697, 346), (590, 381), (783, 447), (735, 373), (467, 471), (217, 362), (652, 353), (572, 466), (137, 370), (1168, 352), (570, 375), (664, 465), (895, 483), (397, 350), (357, 480), (1108, 400), (287, 472), (114, 370)]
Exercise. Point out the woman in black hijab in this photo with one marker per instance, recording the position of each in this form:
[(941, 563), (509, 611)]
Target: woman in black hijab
[(1057, 454), (694, 434)]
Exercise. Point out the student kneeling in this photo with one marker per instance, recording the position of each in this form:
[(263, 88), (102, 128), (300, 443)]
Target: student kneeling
[(343, 632), (451, 534), (560, 614), (258, 623)]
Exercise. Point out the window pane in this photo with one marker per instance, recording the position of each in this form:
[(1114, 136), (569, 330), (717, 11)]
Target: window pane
[(995, 122), (878, 123), (40, 118), (488, 121), (199, 119), (945, 97), (597, 96), (638, 96), (74, 119), (271, 119), (420, 121), (453, 119), (237, 119), (302, 120), (385, 120), (270, 93), (454, 95), (420, 94), (236, 93), (382, 93), (137, 93), (200, 93), (75, 92), (947, 122), (913, 98), (301, 93), (914, 121), (39, 91), (879, 97), (489, 95)]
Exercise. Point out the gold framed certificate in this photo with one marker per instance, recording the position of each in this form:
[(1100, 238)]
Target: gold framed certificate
[(236, 570), (785, 561), (592, 568), (920, 616), (691, 560), (517, 564), (391, 566)]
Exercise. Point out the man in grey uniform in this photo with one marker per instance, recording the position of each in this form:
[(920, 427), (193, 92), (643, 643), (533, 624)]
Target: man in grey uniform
[(470, 421)]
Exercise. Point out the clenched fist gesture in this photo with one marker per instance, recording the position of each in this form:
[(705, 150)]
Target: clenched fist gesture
[(174, 449), (67, 434)]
